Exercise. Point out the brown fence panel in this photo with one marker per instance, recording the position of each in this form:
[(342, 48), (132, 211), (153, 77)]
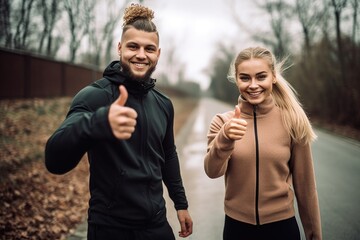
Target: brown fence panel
[(45, 78), (12, 67), (23, 75), (76, 78)]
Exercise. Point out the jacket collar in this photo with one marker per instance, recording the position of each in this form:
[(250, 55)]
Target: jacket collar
[(261, 109), (114, 74)]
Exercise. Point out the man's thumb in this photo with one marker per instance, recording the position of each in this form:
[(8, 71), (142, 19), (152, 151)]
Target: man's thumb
[(123, 96), (237, 112)]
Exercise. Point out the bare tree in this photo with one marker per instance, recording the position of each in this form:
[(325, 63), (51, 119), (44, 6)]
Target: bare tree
[(110, 26), (220, 87), (309, 13), (5, 24), (355, 25), (50, 14), (279, 12), (101, 32), (79, 15), (278, 37), (172, 68), (338, 6), (108, 34), (22, 26)]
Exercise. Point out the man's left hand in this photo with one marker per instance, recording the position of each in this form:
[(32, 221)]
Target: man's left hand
[(186, 223)]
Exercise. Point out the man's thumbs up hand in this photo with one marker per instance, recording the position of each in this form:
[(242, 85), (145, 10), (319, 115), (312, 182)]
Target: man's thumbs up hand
[(122, 119), (123, 96), (235, 128)]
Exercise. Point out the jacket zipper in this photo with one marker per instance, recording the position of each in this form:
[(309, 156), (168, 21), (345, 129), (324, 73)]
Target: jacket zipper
[(143, 151), (257, 168)]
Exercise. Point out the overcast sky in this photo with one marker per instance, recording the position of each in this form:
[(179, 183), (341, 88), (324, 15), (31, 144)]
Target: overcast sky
[(194, 27)]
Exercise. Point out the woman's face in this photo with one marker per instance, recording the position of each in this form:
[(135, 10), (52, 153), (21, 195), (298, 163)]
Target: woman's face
[(255, 80)]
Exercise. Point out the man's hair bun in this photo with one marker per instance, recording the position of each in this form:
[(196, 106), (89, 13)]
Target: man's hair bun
[(135, 12)]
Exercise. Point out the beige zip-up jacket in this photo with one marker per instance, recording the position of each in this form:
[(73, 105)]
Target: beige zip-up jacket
[(264, 170)]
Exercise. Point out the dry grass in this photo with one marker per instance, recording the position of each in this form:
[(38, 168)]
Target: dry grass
[(24, 128)]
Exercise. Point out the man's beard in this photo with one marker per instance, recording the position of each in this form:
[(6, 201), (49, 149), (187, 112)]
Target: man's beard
[(125, 68)]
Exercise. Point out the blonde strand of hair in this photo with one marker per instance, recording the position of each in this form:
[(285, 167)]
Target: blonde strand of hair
[(293, 115)]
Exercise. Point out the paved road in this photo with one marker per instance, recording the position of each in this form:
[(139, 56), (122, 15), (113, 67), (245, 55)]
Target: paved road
[(337, 166)]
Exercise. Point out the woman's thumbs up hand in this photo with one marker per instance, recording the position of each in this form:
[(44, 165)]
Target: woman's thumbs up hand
[(235, 128)]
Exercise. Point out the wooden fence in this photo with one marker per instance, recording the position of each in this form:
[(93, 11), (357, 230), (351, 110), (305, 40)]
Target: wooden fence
[(23, 75)]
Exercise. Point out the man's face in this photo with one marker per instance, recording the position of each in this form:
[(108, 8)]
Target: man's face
[(139, 53)]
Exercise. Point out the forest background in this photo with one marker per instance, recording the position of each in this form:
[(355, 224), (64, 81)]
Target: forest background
[(319, 38)]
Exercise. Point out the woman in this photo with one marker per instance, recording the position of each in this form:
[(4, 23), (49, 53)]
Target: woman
[(263, 149)]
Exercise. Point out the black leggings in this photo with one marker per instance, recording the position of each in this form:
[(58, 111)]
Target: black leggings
[(98, 232), (281, 230)]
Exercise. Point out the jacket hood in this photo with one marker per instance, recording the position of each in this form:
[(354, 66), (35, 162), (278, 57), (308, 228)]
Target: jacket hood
[(114, 74)]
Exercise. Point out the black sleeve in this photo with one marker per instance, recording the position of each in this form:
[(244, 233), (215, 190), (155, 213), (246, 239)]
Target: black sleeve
[(86, 122), (171, 169)]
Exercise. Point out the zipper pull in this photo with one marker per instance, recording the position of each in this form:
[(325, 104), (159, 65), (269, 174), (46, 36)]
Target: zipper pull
[(254, 109)]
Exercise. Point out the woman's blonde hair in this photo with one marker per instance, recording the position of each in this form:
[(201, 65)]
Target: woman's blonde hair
[(285, 96)]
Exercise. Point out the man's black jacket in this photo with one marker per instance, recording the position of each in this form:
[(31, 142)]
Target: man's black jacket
[(125, 175)]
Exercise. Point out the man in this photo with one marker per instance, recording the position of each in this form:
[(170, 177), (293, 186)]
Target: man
[(126, 128)]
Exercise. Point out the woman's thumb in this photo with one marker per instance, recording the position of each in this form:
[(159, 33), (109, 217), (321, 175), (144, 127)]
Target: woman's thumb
[(237, 112)]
